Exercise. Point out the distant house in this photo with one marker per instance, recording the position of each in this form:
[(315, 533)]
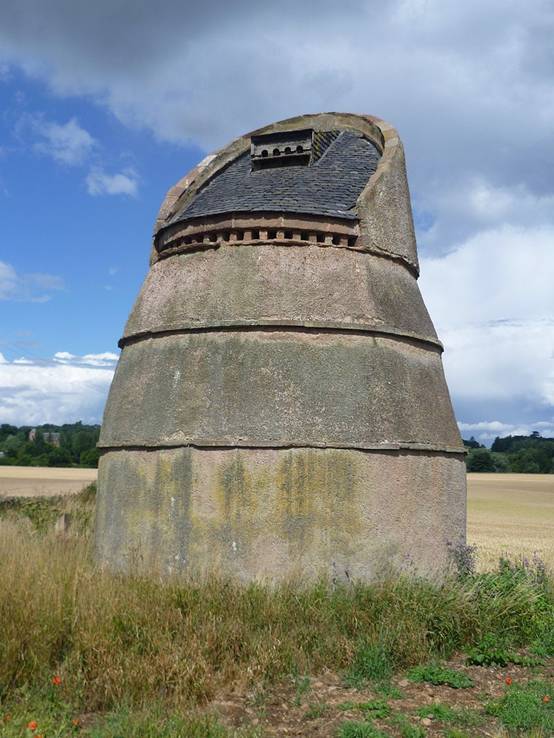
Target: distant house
[(52, 438)]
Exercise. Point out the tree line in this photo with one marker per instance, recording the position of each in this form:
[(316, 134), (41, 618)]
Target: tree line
[(72, 444), (520, 454)]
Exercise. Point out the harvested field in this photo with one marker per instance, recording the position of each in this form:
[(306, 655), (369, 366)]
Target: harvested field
[(37, 481), (511, 514)]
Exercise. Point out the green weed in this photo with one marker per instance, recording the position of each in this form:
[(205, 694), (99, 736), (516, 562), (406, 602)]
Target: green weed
[(301, 687), (354, 729), (437, 674), (437, 712), (372, 709), (371, 663), (523, 707), (494, 651), (407, 729)]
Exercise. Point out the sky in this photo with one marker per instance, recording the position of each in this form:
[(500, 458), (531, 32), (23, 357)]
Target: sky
[(103, 106)]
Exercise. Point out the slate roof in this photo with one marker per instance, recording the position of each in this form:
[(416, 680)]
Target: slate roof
[(329, 186)]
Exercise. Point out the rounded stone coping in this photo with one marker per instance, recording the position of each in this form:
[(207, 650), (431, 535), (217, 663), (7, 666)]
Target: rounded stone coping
[(204, 444), (390, 173), (281, 325)]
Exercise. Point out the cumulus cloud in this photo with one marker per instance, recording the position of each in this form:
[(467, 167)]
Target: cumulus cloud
[(66, 143), (30, 287), (487, 431), (120, 183), (493, 305), (60, 391), (468, 84), (107, 358)]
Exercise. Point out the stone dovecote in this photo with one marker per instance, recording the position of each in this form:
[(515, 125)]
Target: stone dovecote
[(280, 406)]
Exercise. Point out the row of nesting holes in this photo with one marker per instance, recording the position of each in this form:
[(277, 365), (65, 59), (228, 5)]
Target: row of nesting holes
[(288, 150), (215, 236)]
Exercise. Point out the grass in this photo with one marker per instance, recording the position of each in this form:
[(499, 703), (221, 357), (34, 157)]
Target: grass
[(372, 709), (145, 657), (356, 729), (371, 662), (527, 706), (437, 674), (130, 639), (54, 718), (42, 512)]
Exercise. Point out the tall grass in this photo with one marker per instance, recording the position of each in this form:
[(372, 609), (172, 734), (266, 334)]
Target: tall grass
[(135, 641)]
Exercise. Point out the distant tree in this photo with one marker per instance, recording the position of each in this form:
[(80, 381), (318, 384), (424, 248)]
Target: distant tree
[(480, 460), (531, 461), (90, 458), (472, 443), (501, 463)]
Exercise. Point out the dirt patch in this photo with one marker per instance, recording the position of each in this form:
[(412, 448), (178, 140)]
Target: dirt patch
[(326, 704)]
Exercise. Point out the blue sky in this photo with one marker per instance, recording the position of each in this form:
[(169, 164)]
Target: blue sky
[(105, 106), (95, 245)]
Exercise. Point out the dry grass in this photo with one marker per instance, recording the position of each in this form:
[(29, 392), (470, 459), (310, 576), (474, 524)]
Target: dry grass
[(511, 515), (148, 650), (127, 639), (38, 481)]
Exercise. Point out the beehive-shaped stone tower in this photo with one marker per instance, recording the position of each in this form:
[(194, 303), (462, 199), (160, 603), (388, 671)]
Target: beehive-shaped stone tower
[(280, 407)]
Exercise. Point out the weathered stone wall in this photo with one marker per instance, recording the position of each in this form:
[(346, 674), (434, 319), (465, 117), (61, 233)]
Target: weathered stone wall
[(281, 408), (275, 513)]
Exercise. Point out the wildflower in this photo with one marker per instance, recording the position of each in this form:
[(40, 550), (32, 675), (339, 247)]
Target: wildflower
[(508, 680), (33, 725), (7, 718), (56, 680), (76, 722), (38, 735), (546, 699)]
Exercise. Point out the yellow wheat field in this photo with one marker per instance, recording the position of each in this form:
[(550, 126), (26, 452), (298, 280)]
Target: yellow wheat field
[(37, 481), (511, 514)]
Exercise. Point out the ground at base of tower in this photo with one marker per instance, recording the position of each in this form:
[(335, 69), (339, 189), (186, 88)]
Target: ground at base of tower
[(87, 652)]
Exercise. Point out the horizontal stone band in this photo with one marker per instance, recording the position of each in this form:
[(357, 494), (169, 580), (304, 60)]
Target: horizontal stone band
[(283, 325), (207, 444)]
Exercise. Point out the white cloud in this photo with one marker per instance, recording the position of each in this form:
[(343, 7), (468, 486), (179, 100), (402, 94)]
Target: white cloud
[(22, 360), (467, 84), (107, 358), (30, 287), (487, 431), (67, 143), (493, 305), (57, 392), (121, 183)]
